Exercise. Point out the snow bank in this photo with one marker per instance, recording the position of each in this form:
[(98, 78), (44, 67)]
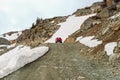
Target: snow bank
[(11, 46), (12, 37), (79, 38), (89, 41), (110, 47), (18, 57), (71, 25), (1, 49), (52, 21), (115, 16), (6, 46)]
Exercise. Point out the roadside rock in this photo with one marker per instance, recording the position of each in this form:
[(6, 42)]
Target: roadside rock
[(70, 40)]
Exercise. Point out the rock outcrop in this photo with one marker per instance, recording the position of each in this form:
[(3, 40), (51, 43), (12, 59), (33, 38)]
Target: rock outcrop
[(114, 58), (4, 41), (73, 60), (41, 31), (70, 40), (111, 2)]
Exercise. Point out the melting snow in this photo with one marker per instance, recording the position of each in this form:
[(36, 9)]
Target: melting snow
[(18, 57), (4, 45), (79, 38), (89, 41), (12, 37), (115, 16), (52, 21), (71, 25), (110, 47), (8, 46), (11, 46)]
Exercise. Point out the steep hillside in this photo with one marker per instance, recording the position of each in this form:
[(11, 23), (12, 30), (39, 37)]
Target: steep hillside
[(90, 48), (104, 26), (11, 36), (42, 30)]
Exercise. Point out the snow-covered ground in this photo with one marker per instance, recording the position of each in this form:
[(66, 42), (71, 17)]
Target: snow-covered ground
[(110, 47), (71, 25), (115, 16), (52, 21), (89, 41), (7, 46), (1, 47), (11, 46), (12, 37), (4, 45), (18, 57)]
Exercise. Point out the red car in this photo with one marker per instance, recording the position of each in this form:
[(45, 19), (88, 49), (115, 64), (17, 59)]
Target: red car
[(58, 40)]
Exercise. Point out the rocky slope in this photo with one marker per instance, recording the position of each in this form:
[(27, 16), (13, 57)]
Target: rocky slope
[(43, 29), (11, 36), (104, 26), (74, 61), (40, 31)]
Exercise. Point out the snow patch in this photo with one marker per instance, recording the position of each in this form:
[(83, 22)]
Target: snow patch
[(1, 49), (18, 57), (89, 41), (68, 27), (11, 46), (4, 45), (115, 16), (79, 38), (109, 47), (52, 21), (12, 37)]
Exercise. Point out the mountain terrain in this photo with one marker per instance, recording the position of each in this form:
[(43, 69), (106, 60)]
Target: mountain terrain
[(90, 48)]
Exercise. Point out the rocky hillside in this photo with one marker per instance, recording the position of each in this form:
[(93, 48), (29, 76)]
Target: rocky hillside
[(43, 29), (90, 53), (11, 36), (105, 26), (40, 31)]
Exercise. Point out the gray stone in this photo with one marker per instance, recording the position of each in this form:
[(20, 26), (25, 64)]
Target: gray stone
[(87, 24), (105, 13), (4, 41)]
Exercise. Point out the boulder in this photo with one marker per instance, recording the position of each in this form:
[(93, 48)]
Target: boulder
[(90, 23), (110, 2), (70, 40), (116, 27), (87, 24), (116, 54), (82, 12), (97, 7), (118, 6), (4, 41), (105, 13)]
